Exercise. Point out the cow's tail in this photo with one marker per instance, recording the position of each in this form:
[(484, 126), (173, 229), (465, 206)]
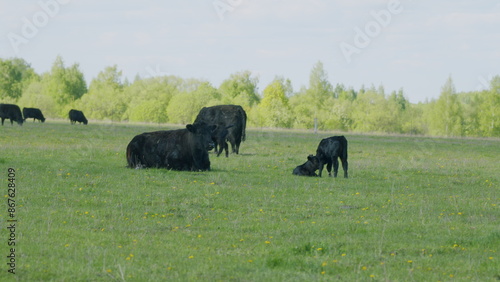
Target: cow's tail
[(244, 123), (343, 142), (133, 152)]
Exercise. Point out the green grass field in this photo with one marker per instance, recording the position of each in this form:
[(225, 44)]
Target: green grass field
[(413, 209)]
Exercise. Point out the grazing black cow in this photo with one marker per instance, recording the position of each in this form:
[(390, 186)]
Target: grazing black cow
[(308, 168), (11, 112), (232, 117), (77, 116), (328, 152), (181, 149), (33, 113)]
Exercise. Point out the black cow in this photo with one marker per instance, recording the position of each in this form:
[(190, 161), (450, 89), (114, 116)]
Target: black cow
[(77, 116), (308, 168), (232, 117), (219, 136), (328, 152), (33, 113), (11, 112), (181, 149)]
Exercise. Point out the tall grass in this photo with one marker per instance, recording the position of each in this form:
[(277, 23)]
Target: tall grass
[(414, 208)]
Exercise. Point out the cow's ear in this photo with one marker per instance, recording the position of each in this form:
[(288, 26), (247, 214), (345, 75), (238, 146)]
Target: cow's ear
[(310, 157), (191, 128)]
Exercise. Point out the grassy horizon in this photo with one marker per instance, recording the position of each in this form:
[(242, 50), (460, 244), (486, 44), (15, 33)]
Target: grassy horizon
[(414, 208)]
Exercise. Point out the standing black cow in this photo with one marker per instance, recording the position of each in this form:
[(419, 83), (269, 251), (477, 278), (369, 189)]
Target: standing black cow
[(219, 136), (232, 117), (328, 152), (11, 112), (308, 168), (33, 113), (181, 149), (77, 116)]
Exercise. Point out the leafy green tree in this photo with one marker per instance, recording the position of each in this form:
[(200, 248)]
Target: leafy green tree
[(447, 113), (471, 107), (343, 93), (320, 89), (399, 99), (184, 107), (315, 102), (15, 76), (274, 107), (412, 120), (337, 115), (65, 85), (149, 98), (304, 109), (240, 89), (370, 113), (35, 96), (489, 120), (105, 98)]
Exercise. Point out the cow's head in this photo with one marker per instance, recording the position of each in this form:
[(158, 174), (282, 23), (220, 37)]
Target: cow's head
[(313, 162), (203, 133)]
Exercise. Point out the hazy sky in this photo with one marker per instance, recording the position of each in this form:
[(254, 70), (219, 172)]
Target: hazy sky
[(414, 45)]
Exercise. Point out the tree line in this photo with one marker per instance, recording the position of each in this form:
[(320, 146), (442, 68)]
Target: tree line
[(172, 99)]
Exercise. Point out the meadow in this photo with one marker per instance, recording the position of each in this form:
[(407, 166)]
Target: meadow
[(413, 209)]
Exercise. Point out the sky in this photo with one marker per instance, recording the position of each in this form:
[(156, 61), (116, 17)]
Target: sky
[(399, 44)]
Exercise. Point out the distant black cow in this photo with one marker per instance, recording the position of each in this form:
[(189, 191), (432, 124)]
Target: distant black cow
[(11, 112), (308, 168), (328, 152), (232, 117), (77, 116), (33, 113), (182, 149)]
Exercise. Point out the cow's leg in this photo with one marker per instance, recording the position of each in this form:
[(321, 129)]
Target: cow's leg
[(3, 120), (335, 166), (221, 148), (216, 146), (344, 167), (226, 148), (329, 168), (233, 144), (237, 144), (321, 164)]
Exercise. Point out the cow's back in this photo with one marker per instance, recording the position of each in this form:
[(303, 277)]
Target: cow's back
[(328, 148), (222, 114)]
